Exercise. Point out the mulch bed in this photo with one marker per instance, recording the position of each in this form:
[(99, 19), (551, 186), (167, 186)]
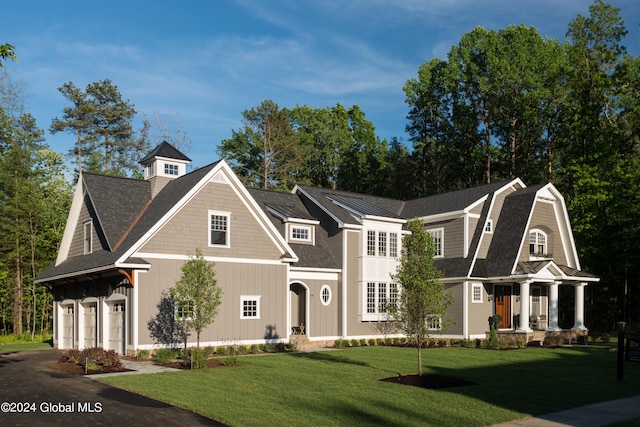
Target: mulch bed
[(75, 369), (430, 381)]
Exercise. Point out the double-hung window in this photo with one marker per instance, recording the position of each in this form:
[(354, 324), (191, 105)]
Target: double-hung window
[(219, 228), (380, 295), (184, 310), (438, 241), (382, 244)]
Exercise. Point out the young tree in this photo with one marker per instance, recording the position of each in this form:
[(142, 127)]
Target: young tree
[(197, 295), (422, 300)]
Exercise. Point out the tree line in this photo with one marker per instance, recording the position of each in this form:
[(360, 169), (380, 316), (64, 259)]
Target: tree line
[(504, 103)]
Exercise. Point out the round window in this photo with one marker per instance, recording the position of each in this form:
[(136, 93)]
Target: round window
[(325, 295)]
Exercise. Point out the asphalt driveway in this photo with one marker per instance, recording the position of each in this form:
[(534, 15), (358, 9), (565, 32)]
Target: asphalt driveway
[(32, 393)]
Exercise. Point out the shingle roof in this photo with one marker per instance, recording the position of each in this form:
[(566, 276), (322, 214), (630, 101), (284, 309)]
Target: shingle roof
[(318, 255), (147, 217), (116, 202), (509, 231), (164, 149), (454, 201)]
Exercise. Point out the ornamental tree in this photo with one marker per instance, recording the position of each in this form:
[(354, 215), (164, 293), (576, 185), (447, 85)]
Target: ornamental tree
[(422, 300), (196, 295)]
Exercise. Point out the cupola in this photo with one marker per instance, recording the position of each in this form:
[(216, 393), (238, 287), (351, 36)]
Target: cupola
[(163, 164)]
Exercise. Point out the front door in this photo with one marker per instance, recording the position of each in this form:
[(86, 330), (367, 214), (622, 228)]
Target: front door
[(503, 305)]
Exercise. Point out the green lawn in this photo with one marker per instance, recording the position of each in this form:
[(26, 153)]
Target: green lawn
[(341, 387), (23, 346)]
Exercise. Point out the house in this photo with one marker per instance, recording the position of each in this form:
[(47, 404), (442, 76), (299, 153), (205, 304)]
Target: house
[(312, 265)]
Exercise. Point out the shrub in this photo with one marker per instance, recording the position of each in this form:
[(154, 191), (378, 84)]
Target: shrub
[(552, 340), (338, 344), (164, 355), (199, 357), (143, 355), (254, 349), (363, 342), (230, 361), (521, 343), (355, 343), (379, 341), (241, 349), (372, 342)]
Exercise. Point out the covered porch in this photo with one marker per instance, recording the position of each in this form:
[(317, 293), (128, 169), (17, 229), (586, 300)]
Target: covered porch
[(532, 304)]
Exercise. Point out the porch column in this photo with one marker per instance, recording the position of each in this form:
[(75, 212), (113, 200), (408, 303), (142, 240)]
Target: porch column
[(579, 315), (524, 306), (553, 307)]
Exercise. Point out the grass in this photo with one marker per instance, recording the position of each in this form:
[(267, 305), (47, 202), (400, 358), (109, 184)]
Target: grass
[(341, 388)]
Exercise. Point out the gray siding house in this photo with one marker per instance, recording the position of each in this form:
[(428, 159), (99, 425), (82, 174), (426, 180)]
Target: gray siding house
[(310, 266)]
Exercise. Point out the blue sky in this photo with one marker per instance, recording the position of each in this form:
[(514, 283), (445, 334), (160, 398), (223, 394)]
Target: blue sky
[(201, 63)]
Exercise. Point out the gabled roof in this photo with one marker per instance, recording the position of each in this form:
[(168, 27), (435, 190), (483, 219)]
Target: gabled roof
[(137, 223), (116, 202), (288, 206), (454, 201), (164, 149)]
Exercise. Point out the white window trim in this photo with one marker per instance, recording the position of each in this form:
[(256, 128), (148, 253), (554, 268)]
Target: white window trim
[(255, 298), (177, 310), (535, 254), (377, 315), (327, 288), (473, 293), (310, 233), (488, 228), (228, 233), (171, 167), (378, 240), (433, 231), (88, 224)]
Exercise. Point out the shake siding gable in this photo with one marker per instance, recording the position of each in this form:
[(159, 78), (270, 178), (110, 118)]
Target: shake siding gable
[(544, 218), (77, 243), (189, 228)]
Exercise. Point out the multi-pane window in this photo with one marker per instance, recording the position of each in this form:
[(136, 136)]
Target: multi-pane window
[(434, 323), (382, 243), (249, 307), (325, 295), (438, 241), (489, 227), (184, 310), (300, 233), (170, 169), (371, 243), (477, 292), (537, 243), (219, 229), (381, 295), (88, 237), (393, 245)]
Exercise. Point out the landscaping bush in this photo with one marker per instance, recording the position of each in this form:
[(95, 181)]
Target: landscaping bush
[(143, 355), (339, 344), (254, 349), (355, 343), (164, 355), (199, 357), (372, 342), (230, 361), (93, 359)]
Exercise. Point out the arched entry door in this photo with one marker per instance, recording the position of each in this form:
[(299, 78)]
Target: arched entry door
[(298, 295)]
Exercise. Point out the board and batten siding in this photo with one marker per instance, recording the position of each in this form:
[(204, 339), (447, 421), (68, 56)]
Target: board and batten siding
[(323, 319), (189, 228), (266, 281)]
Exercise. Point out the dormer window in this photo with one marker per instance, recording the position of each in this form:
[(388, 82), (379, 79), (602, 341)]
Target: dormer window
[(299, 233), (488, 228), (537, 243), (171, 169)]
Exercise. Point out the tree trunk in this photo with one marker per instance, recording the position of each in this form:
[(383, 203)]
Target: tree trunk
[(17, 299), (420, 358)]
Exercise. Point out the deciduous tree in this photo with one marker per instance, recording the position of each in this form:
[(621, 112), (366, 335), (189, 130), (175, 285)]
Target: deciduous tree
[(422, 301), (196, 295)]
